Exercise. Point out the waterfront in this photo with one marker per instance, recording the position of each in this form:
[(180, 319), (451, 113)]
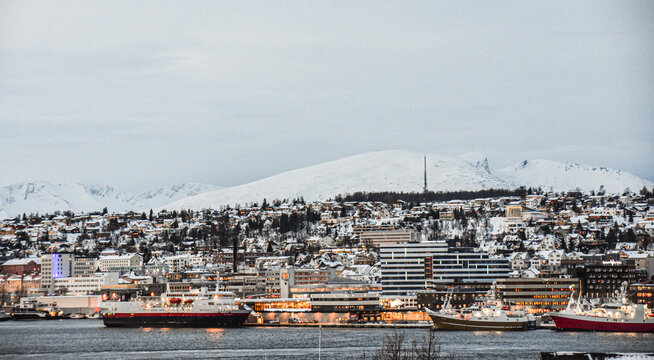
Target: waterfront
[(89, 339)]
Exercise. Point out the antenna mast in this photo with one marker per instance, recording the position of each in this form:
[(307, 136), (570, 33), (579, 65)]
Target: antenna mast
[(425, 167)]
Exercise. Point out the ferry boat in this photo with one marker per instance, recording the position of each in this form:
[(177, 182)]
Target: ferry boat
[(488, 314), (617, 315), (199, 308), (32, 310)]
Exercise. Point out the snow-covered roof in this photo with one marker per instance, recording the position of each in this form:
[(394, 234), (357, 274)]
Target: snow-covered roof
[(24, 261)]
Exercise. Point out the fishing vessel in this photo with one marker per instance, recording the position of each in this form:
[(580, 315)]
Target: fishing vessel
[(617, 315), (199, 308), (489, 314)]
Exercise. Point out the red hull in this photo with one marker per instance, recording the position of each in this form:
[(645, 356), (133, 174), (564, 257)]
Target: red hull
[(599, 324), (170, 314), (207, 320)]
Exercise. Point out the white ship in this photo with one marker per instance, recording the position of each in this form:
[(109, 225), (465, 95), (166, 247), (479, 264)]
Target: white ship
[(199, 308)]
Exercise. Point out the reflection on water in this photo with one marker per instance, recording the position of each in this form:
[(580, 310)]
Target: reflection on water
[(215, 333), (487, 333), (618, 334)]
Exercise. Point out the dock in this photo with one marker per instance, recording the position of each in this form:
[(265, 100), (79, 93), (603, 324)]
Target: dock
[(345, 325)]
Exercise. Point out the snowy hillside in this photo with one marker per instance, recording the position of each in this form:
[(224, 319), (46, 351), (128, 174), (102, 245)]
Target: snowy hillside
[(164, 195), (396, 170), (400, 170), (45, 197), (561, 176)]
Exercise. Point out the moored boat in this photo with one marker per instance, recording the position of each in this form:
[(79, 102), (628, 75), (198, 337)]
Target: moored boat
[(489, 314), (95, 315), (617, 315), (206, 309), (32, 310)]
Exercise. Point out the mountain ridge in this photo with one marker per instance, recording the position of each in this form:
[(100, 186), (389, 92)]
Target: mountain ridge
[(401, 170), (46, 197), (390, 170)]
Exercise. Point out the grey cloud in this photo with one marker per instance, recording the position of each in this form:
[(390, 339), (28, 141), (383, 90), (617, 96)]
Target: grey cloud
[(163, 92)]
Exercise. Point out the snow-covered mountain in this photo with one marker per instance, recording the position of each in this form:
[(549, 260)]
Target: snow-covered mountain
[(45, 197), (400, 170), (166, 194), (395, 170), (552, 175)]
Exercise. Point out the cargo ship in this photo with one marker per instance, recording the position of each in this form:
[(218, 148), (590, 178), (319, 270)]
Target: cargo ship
[(200, 308), (617, 315), (487, 314)]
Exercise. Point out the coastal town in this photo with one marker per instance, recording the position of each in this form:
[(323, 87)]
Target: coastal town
[(342, 262)]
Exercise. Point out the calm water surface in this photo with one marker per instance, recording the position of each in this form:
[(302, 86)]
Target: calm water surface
[(89, 339)]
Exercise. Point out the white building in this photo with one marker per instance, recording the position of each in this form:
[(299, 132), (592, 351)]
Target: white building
[(403, 265), (178, 263), (105, 263), (377, 238), (55, 266), (83, 266), (85, 285)]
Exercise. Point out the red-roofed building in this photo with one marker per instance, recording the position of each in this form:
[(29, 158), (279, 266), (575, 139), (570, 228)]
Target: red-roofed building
[(22, 266)]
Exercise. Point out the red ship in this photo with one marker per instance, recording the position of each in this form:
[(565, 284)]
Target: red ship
[(617, 315)]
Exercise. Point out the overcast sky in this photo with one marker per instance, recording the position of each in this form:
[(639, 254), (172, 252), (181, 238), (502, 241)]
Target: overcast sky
[(155, 93)]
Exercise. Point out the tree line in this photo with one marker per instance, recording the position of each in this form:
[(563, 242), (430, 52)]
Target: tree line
[(390, 197)]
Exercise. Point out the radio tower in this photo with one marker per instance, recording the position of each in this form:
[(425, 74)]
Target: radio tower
[(424, 189)]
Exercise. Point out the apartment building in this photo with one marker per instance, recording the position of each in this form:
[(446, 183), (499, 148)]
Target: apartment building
[(108, 262), (384, 237), (403, 265)]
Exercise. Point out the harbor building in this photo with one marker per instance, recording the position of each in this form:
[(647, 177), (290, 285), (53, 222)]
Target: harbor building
[(285, 281), (462, 294), (642, 294), (345, 302), (410, 268), (403, 266), (462, 265), (537, 294), (601, 279), (86, 285)]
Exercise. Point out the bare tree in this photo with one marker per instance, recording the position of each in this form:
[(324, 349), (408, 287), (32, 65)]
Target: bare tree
[(395, 347)]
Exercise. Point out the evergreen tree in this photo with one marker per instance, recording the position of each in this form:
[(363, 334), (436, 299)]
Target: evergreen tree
[(645, 192)]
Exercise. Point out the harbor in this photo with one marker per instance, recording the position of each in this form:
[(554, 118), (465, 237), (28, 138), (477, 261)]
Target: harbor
[(90, 339)]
